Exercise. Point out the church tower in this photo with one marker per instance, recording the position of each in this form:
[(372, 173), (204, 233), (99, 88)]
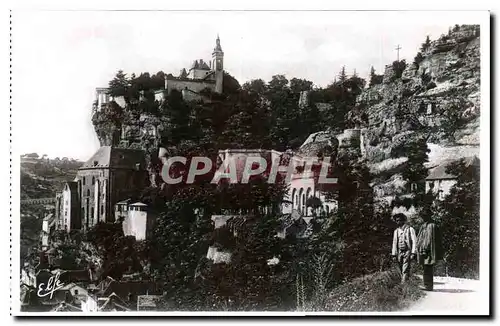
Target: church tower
[(217, 65)]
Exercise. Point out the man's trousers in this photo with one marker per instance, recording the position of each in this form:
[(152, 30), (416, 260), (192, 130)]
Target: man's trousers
[(404, 264)]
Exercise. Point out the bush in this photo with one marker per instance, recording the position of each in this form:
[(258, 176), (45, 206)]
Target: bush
[(418, 59), (398, 67), (381, 291)]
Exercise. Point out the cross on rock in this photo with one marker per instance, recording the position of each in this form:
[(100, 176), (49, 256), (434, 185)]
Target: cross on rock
[(397, 49)]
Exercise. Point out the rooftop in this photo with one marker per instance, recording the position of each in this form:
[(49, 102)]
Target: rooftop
[(115, 158), (439, 172)]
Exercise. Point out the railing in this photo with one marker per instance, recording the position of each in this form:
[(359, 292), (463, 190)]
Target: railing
[(36, 201)]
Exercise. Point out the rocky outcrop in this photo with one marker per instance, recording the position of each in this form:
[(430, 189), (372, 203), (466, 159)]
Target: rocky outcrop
[(436, 97)]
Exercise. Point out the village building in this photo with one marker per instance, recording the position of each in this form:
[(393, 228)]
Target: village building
[(136, 220), (200, 76), (440, 182), (110, 174), (48, 226)]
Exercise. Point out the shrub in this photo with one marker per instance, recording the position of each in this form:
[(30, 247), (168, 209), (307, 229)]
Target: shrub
[(418, 59), (381, 291), (398, 67)]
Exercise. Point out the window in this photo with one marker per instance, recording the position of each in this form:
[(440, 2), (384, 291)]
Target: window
[(93, 180), (88, 192), (76, 292), (102, 209), (83, 179)]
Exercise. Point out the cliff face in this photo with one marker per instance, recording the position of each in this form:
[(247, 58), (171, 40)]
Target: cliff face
[(437, 97)]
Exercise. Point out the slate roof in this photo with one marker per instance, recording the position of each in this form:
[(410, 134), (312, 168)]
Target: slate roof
[(123, 289), (439, 172), (75, 276), (116, 158), (200, 65), (138, 204), (63, 306), (113, 302)]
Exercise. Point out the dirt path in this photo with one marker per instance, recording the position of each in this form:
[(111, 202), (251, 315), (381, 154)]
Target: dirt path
[(453, 296)]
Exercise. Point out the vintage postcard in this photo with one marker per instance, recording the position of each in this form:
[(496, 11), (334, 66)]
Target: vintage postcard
[(250, 163)]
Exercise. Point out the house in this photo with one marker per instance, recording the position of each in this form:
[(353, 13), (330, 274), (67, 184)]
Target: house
[(108, 175), (148, 302), (112, 303), (66, 307), (304, 183), (49, 224), (440, 182), (137, 221), (68, 207), (128, 291), (78, 292)]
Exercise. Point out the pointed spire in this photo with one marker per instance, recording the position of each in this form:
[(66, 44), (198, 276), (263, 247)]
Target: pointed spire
[(217, 44)]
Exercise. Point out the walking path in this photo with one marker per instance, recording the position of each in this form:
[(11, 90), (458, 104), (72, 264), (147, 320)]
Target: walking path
[(454, 296)]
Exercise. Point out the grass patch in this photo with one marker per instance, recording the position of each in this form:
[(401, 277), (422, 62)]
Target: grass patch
[(381, 291)]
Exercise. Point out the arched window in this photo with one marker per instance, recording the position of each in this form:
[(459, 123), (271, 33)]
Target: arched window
[(88, 192), (93, 180), (294, 199), (83, 180), (300, 201)]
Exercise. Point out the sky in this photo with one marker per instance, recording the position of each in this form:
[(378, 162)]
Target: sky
[(60, 57)]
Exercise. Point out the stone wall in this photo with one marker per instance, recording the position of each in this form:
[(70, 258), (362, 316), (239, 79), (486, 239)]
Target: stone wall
[(194, 85)]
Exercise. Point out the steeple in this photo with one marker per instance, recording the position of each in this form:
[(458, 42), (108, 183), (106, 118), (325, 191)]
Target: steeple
[(217, 65), (217, 45)]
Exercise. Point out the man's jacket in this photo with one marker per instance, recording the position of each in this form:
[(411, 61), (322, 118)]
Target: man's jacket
[(409, 238)]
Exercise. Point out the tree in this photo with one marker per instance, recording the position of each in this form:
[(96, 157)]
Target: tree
[(300, 85), (229, 84), (452, 117), (426, 45), (256, 85), (415, 172), (459, 220), (398, 67), (119, 85), (418, 59), (342, 75), (374, 78)]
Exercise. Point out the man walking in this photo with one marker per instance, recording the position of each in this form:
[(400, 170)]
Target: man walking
[(429, 248), (403, 245)]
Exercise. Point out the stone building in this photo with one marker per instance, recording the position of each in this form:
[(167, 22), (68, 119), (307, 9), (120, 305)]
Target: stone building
[(439, 182), (110, 174), (200, 76), (304, 184), (137, 220)]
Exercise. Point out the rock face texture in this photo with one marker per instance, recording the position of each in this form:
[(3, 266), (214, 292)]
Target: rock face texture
[(437, 97)]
